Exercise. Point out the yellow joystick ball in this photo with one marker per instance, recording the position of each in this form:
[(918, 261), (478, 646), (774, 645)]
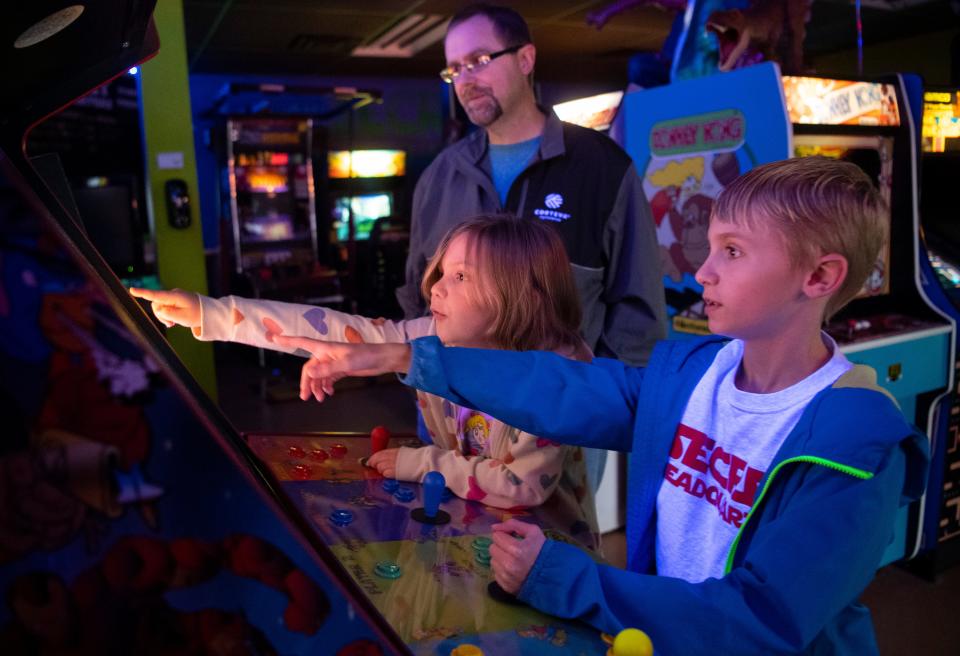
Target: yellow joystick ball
[(631, 642), (466, 649)]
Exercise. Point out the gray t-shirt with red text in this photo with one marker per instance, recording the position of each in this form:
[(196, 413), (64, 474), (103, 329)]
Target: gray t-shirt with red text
[(724, 444)]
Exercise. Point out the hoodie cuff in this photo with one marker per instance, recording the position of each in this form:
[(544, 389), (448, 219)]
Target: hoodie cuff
[(425, 372)]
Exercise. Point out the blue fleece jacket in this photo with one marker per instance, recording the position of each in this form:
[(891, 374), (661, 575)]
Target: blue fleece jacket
[(804, 554)]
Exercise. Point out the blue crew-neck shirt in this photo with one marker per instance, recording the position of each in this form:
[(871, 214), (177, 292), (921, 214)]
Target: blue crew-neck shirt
[(508, 161)]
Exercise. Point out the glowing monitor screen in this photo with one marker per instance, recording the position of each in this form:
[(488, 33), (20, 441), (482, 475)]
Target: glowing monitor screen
[(821, 101), (366, 163), (941, 121), (366, 208)]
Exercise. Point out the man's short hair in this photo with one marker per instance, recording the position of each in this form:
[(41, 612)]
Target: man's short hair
[(509, 26), (817, 205)]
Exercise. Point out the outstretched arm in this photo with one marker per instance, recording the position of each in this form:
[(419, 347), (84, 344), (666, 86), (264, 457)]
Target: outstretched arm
[(332, 361), (544, 394), (257, 322), (173, 307)]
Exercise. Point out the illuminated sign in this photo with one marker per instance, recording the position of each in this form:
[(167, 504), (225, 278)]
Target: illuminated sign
[(716, 131), (938, 97), (366, 163), (595, 112), (941, 121), (820, 101)]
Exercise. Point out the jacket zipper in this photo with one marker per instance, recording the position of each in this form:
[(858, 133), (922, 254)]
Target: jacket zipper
[(830, 464)]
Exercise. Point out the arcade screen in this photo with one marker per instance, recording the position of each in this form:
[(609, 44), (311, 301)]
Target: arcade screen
[(939, 173), (873, 154), (367, 208), (941, 121), (109, 212), (366, 164), (272, 189), (822, 101), (948, 274)]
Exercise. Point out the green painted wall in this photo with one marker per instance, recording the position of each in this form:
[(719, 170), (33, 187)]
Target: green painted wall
[(168, 130)]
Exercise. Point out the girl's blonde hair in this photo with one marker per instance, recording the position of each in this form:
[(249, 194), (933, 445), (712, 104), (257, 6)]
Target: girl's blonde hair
[(530, 289)]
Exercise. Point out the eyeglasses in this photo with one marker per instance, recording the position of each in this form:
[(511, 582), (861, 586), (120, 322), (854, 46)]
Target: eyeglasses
[(478, 63)]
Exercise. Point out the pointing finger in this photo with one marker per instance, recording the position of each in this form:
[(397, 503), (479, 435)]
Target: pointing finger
[(305, 343)]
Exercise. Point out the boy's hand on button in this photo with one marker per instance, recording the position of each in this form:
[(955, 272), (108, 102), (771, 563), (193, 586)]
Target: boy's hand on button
[(515, 548), (173, 307)]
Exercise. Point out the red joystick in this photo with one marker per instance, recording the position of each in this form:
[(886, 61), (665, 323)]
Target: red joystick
[(379, 439)]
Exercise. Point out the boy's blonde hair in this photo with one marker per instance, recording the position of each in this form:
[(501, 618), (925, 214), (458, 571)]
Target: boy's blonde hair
[(818, 205), (531, 291)]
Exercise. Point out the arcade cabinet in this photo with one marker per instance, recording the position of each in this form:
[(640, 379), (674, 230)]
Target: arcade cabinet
[(940, 220), (692, 138), (113, 222), (272, 201), (95, 144), (135, 519), (366, 224)]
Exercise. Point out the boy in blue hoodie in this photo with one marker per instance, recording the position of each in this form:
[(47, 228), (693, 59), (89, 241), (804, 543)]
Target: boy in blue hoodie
[(766, 470)]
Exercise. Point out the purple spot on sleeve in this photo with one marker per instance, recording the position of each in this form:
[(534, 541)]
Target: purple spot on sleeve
[(315, 317)]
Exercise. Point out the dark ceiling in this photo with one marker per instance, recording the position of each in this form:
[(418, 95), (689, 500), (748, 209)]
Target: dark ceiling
[(318, 36)]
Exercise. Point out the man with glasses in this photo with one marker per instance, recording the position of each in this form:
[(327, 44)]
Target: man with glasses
[(527, 162)]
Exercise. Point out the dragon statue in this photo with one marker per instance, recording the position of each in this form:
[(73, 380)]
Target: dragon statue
[(720, 35)]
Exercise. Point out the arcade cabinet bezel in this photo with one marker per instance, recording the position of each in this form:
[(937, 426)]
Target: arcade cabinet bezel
[(79, 72)]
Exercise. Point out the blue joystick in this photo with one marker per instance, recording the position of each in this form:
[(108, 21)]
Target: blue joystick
[(433, 485)]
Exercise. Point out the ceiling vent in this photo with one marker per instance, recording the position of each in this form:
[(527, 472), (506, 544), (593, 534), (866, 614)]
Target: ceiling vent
[(406, 37), (319, 43)]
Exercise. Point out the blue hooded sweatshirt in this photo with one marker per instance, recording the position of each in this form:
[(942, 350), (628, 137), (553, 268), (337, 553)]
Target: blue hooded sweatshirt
[(807, 550)]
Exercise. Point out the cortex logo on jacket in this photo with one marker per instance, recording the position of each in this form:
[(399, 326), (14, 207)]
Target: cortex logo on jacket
[(553, 202), (706, 471)]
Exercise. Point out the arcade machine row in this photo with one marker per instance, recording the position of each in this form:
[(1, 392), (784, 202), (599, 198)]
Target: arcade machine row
[(692, 138), (135, 519), (271, 195), (940, 219), (367, 225)]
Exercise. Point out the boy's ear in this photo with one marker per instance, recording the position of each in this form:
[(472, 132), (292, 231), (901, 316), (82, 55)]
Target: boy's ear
[(827, 275)]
